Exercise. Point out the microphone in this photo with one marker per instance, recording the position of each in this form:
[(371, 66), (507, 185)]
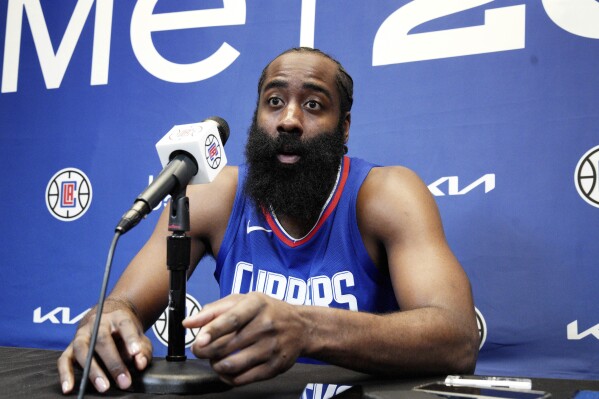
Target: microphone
[(190, 154)]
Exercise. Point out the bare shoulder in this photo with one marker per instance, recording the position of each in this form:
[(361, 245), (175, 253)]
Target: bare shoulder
[(397, 187), (384, 175), (225, 184), (226, 180), (210, 204), (393, 198)]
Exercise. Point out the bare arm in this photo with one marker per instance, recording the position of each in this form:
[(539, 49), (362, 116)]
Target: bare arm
[(435, 331), (252, 337), (141, 293)]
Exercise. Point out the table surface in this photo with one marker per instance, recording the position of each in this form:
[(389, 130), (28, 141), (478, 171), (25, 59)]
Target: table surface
[(31, 373)]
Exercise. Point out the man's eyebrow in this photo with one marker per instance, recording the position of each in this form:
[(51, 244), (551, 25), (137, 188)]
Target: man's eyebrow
[(318, 88), (275, 84), (280, 83)]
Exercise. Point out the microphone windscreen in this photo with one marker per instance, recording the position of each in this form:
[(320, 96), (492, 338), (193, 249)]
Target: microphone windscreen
[(222, 126)]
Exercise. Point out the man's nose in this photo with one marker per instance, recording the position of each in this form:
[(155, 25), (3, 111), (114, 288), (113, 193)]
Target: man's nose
[(291, 119)]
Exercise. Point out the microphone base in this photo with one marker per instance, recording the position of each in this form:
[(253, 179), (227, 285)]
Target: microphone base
[(177, 377)]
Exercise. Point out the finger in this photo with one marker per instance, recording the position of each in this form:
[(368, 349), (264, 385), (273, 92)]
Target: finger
[(230, 321), (144, 357), (220, 347), (96, 375), (261, 372), (241, 369), (241, 361), (140, 360), (217, 349), (130, 334), (199, 319), (210, 312), (133, 345), (107, 350), (65, 370)]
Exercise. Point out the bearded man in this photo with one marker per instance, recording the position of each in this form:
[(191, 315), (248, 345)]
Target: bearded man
[(319, 256)]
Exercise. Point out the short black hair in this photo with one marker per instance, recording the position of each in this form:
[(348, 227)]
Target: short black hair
[(345, 83)]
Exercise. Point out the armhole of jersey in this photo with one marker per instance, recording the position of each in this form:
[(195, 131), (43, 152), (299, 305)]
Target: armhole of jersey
[(356, 236), (232, 224)]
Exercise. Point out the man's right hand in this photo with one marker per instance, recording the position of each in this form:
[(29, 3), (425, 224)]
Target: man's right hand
[(120, 342)]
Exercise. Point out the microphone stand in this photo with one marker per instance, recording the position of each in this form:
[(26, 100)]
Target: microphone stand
[(176, 374)]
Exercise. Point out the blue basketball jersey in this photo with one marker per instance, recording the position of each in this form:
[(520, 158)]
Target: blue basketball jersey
[(328, 267)]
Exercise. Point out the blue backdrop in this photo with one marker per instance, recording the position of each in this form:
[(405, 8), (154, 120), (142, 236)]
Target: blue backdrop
[(493, 103)]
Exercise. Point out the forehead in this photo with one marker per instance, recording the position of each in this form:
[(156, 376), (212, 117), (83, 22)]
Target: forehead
[(303, 69)]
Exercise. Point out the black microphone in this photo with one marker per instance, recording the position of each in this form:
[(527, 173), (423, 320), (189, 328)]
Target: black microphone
[(190, 154)]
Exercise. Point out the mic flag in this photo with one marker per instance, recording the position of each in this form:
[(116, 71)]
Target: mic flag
[(202, 141), (192, 153)]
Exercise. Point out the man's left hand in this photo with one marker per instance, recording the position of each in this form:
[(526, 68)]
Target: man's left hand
[(249, 337)]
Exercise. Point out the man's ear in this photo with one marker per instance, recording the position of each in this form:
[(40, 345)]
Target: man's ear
[(346, 124)]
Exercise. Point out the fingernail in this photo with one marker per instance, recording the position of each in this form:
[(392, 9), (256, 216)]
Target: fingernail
[(135, 348), (142, 362), (65, 386), (100, 384), (123, 381), (222, 366), (202, 339)]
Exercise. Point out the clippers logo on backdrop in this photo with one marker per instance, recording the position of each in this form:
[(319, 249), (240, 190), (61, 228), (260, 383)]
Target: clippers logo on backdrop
[(213, 152), (68, 194), (586, 177), (160, 328)]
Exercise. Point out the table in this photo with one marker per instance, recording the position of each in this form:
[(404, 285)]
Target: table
[(31, 373)]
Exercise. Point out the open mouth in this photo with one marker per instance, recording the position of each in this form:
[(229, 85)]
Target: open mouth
[(288, 158), (289, 152)]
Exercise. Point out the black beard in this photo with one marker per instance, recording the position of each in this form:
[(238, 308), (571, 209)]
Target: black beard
[(296, 190)]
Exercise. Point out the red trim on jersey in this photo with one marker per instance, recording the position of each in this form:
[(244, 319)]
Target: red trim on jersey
[(330, 208)]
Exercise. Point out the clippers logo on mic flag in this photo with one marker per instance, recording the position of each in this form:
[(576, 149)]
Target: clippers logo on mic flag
[(200, 140), (213, 152)]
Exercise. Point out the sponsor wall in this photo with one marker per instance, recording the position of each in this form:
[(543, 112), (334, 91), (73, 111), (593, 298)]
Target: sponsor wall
[(492, 103)]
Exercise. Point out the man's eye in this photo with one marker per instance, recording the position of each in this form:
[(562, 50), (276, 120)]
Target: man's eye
[(313, 104), (274, 101)]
